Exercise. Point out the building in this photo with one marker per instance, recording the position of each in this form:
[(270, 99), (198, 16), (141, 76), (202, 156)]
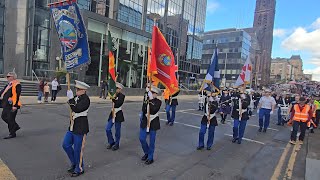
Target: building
[(286, 69), (31, 45), (233, 49), (263, 28), (307, 77)]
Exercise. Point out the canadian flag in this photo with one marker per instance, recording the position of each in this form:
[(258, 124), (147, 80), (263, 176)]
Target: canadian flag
[(245, 75)]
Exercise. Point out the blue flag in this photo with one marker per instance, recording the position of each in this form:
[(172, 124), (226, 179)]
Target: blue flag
[(212, 80), (72, 34)]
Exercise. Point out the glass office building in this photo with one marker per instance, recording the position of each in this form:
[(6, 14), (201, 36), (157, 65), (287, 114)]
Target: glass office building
[(1, 35), (130, 23), (234, 47)]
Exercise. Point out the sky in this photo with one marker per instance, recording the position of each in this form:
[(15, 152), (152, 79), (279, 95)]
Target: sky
[(296, 28)]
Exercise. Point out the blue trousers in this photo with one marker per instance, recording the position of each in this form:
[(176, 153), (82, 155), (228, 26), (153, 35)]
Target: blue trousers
[(173, 116), (238, 128), (117, 133), (40, 94), (74, 153), (264, 113), (202, 132), (280, 121), (148, 149)]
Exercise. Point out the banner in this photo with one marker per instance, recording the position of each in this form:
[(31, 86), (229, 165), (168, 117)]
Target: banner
[(162, 59), (112, 81), (212, 80), (72, 34), (244, 77)]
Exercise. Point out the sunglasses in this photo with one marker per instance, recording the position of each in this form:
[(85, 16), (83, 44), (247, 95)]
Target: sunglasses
[(9, 76)]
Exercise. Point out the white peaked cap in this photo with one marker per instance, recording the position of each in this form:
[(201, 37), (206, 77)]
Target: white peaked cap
[(119, 85), (81, 85), (155, 89)]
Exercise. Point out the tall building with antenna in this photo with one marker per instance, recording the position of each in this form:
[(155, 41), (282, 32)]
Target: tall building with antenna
[(263, 26)]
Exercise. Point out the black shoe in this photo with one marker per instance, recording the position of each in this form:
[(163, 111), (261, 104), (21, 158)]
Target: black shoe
[(167, 123), (311, 131), (260, 129), (110, 146), (223, 122), (71, 169), (115, 147), (145, 157), (208, 148), (10, 136), (148, 162), (234, 140), (76, 174), (239, 141), (171, 124), (17, 128), (278, 124), (264, 130), (200, 148)]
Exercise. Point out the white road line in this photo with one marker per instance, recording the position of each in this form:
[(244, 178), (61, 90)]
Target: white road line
[(197, 127), (246, 139)]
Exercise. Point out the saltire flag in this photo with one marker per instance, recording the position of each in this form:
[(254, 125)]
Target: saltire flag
[(161, 67), (72, 34), (245, 75), (112, 80), (212, 80)]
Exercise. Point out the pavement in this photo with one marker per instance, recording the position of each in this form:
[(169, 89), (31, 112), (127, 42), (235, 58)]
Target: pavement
[(37, 152)]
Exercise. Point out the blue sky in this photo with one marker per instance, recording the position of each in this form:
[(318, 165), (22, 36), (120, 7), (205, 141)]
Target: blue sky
[(296, 30)]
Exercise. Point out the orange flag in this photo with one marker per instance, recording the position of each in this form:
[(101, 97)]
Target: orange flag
[(165, 66)]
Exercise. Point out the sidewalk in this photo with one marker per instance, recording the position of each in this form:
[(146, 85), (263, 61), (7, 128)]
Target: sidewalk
[(28, 100), (313, 156)]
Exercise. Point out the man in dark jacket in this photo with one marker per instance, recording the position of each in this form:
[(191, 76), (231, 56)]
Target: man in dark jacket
[(171, 104), (78, 129), (240, 115), (116, 117), (150, 110), (10, 102)]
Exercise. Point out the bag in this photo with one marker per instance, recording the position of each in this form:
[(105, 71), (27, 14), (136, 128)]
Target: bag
[(59, 88)]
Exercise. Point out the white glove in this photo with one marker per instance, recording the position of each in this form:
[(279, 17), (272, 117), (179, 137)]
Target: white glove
[(211, 99), (147, 89), (258, 111), (70, 94), (150, 95), (271, 112)]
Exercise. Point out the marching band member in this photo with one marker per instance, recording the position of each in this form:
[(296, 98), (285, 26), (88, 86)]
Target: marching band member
[(240, 115), (78, 129), (115, 118), (209, 121), (172, 104), (225, 107), (154, 104)]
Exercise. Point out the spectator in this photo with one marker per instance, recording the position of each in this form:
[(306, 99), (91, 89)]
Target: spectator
[(40, 91), (55, 86), (103, 86), (46, 91)]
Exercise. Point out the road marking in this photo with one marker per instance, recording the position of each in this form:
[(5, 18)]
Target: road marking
[(291, 162), (5, 172), (102, 107), (183, 111), (277, 170), (250, 140), (197, 127)]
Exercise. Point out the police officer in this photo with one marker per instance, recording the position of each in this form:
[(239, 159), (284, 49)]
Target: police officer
[(153, 104), (78, 129), (171, 104), (240, 115), (10, 102), (116, 117), (211, 107)]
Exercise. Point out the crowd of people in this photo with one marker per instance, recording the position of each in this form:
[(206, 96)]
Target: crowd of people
[(44, 90)]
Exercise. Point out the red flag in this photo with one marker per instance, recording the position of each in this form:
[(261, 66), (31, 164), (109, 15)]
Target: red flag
[(152, 65), (165, 64)]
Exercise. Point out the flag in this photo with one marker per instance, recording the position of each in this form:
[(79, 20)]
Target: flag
[(72, 34), (245, 75), (112, 81), (213, 75), (162, 66)]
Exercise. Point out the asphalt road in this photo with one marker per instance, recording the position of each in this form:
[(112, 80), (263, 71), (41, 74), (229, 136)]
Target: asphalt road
[(37, 153)]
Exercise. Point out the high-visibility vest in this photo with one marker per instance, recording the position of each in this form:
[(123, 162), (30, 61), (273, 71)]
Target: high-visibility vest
[(313, 108), (317, 104), (301, 115), (14, 96)]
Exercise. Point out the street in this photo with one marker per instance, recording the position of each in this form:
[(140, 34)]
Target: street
[(37, 152)]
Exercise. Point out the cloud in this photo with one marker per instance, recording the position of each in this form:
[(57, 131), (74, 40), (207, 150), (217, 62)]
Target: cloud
[(316, 24), (212, 6), (315, 73), (279, 33)]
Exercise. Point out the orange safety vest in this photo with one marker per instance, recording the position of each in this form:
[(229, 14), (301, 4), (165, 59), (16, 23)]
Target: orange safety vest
[(14, 96), (301, 115)]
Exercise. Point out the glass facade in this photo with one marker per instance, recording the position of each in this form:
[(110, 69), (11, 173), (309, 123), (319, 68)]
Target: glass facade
[(1, 34), (233, 50), (38, 38), (130, 12)]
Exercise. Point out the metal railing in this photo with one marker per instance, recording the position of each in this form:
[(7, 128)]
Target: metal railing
[(34, 74)]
